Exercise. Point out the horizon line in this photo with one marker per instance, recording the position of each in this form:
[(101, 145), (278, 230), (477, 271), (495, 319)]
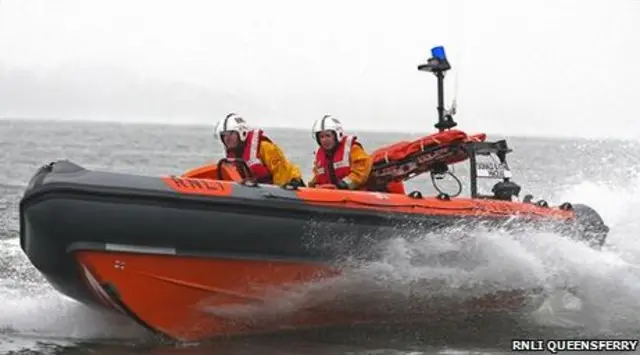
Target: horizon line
[(266, 127)]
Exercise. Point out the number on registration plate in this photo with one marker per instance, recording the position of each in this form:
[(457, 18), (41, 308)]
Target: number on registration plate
[(492, 170)]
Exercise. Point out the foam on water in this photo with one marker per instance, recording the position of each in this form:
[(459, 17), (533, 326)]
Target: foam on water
[(415, 273), (608, 282), (32, 308)]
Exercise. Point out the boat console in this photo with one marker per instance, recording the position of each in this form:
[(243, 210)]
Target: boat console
[(487, 159)]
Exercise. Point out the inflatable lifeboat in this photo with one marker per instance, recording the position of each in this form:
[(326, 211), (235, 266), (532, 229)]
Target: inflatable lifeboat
[(164, 250)]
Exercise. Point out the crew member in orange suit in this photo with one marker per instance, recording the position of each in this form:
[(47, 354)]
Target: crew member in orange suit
[(351, 165), (340, 160), (264, 158)]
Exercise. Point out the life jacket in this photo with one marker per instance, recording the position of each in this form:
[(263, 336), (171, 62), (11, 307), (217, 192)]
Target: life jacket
[(340, 166), (250, 155)]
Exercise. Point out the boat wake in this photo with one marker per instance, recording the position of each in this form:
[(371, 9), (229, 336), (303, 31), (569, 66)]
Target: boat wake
[(593, 291), (414, 275)]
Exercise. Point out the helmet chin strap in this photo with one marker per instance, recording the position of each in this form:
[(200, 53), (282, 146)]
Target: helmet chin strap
[(237, 150), (335, 143)]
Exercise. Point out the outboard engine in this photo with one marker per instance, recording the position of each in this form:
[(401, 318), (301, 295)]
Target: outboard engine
[(589, 226), (505, 190)]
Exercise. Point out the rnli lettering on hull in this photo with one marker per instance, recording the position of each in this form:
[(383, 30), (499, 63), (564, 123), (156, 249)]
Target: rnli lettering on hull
[(195, 186)]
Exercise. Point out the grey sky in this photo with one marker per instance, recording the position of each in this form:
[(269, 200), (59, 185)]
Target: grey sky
[(539, 67)]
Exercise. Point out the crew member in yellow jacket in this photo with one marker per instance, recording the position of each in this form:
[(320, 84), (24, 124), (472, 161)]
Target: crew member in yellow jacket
[(340, 160), (264, 158)]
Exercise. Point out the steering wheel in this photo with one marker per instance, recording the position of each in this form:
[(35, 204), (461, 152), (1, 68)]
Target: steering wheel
[(440, 176)]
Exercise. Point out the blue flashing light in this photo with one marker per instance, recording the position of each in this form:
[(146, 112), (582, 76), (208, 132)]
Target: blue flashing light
[(438, 52)]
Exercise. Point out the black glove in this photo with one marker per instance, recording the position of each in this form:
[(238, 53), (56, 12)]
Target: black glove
[(296, 183), (342, 185)]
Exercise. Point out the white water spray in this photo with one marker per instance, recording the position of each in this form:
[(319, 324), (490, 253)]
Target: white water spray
[(415, 272), (32, 308)]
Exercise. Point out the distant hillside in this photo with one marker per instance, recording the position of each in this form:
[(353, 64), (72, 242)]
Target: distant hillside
[(111, 94)]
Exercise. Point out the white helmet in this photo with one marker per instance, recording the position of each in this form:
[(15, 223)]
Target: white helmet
[(327, 123), (232, 122)]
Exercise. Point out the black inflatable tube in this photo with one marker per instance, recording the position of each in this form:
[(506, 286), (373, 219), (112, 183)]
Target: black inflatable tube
[(67, 208)]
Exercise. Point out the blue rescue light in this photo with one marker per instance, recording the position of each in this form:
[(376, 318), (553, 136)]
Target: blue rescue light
[(438, 52)]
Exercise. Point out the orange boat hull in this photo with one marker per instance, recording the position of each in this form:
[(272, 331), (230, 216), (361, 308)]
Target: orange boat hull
[(197, 298)]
